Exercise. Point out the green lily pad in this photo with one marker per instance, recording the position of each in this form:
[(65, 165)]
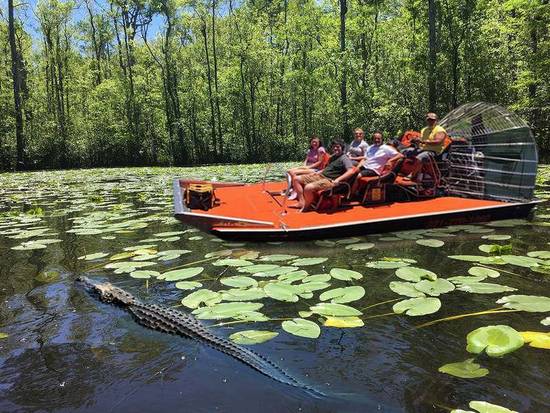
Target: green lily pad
[(343, 322), (417, 306), (226, 310), (3, 335), (483, 272), (252, 336), (545, 255), (334, 310), (239, 281), (415, 274), (484, 288), (231, 262), (360, 247), (254, 268), (495, 237), (484, 407), (181, 274), (317, 278), (466, 369), (346, 275), (545, 321), (313, 286), (495, 248), (433, 243), (278, 257), (188, 285), (28, 246), (530, 303), (203, 296), (521, 261), (495, 340), (302, 328), (343, 295), (325, 243), (47, 276), (144, 274), (275, 272), (293, 276), (300, 262), (405, 288), (386, 265), (237, 294), (435, 288), (282, 291), (91, 257)]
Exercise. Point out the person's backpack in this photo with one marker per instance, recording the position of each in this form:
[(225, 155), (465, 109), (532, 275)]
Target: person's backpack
[(200, 196)]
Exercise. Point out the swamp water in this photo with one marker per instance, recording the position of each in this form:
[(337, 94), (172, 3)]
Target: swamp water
[(329, 318)]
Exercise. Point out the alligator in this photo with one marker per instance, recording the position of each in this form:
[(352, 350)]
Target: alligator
[(171, 321)]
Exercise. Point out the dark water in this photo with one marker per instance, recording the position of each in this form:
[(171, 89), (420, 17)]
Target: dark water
[(66, 351)]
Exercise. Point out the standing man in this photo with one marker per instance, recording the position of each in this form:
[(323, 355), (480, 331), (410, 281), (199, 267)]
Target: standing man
[(338, 169)]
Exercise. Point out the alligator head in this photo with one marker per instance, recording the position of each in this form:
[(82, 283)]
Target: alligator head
[(107, 292)]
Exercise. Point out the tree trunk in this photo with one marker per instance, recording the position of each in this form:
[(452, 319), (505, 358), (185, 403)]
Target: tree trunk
[(16, 76), (95, 44), (432, 57), (343, 81), (210, 97), (216, 88)]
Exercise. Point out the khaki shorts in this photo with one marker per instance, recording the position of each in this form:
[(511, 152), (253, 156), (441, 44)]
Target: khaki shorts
[(317, 182)]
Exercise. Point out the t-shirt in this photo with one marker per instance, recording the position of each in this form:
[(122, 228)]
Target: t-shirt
[(357, 148), (377, 161), (427, 136), (337, 166), (371, 150), (313, 155)]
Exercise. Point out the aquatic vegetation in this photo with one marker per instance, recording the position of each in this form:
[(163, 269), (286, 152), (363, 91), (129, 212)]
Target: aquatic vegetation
[(252, 336), (496, 341), (484, 407), (417, 306), (302, 328), (530, 303), (466, 369), (537, 339)]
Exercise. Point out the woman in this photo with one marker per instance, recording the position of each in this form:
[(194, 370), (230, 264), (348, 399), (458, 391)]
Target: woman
[(316, 159)]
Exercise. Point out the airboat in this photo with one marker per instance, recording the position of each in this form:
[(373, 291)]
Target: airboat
[(487, 172)]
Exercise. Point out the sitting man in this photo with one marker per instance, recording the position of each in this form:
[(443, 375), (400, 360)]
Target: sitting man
[(432, 139), (338, 169)]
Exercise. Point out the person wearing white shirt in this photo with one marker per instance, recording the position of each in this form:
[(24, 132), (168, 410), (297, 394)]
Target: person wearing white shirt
[(378, 154)]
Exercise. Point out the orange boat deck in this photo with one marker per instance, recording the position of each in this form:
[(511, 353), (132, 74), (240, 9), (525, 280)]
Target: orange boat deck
[(254, 203)]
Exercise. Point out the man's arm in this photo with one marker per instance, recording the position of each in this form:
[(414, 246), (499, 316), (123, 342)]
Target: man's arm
[(439, 137)]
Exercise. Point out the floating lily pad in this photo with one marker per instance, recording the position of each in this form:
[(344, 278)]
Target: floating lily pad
[(91, 257), (387, 265), (325, 243), (239, 282), (433, 243), (417, 306), (255, 268), (252, 336), (3, 335), (28, 246), (278, 257), (181, 274), (188, 285), (496, 237), (360, 246), (405, 288), (313, 286), (282, 292), (466, 369), (302, 328), (343, 322), (496, 341), (415, 274), (434, 288), (495, 248), (485, 288), (466, 279), (293, 276), (199, 297), (545, 321), (317, 278), (343, 295), (483, 272), (545, 255), (237, 294), (521, 261), (48, 276), (226, 310), (484, 407), (344, 274), (275, 272), (530, 303), (334, 310), (145, 274), (308, 261), (536, 339)]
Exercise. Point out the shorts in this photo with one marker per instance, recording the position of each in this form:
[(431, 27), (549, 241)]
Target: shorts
[(368, 172), (317, 181)]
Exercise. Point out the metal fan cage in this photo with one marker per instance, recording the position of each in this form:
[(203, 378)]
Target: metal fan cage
[(493, 154)]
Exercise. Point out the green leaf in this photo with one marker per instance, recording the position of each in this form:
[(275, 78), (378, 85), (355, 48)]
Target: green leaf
[(317, 278), (465, 279), (252, 336), (405, 288), (545, 255), (495, 340), (530, 303), (433, 243), (302, 328), (188, 285), (144, 274), (497, 237), (278, 257), (239, 281), (181, 274), (343, 322), (483, 272), (47, 276), (484, 407), (91, 257), (495, 248), (231, 262), (199, 297), (415, 274), (545, 321), (360, 247), (3, 335), (466, 369), (520, 261), (254, 268), (282, 292), (386, 265), (313, 286), (293, 276), (275, 272), (484, 288), (417, 306), (226, 310), (237, 294), (343, 295), (434, 288), (346, 275), (334, 310), (301, 262)]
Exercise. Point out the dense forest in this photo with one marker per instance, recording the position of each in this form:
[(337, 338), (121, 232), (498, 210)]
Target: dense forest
[(179, 82)]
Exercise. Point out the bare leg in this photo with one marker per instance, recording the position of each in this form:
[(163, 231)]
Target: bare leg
[(298, 187), (309, 195)]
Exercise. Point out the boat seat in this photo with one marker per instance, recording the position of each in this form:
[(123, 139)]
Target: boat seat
[(365, 184), (332, 198)]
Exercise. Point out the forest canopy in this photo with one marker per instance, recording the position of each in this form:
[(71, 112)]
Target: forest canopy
[(179, 82)]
